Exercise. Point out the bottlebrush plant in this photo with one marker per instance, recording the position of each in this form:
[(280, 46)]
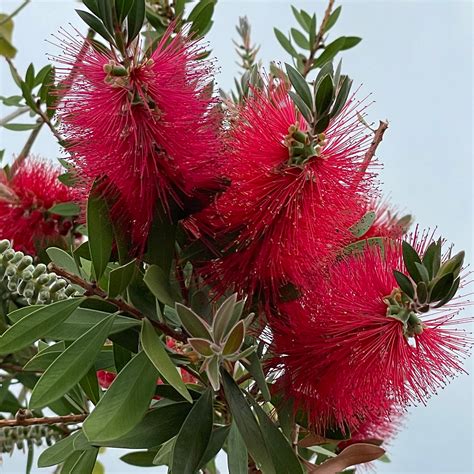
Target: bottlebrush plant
[(210, 271)]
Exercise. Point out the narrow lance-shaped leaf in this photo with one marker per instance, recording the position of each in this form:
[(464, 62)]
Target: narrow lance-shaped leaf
[(194, 436), (99, 231), (300, 85), (36, 324), (247, 424), (71, 366), (157, 354), (125, 402)]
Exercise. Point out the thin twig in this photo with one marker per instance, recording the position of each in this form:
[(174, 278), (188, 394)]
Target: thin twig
[(14, 115), (370, 153), (27, 147), (93, 290), (15, 12), (319, 38), (44, 420)]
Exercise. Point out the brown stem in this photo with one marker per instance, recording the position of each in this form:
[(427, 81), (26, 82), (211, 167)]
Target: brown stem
[(27, 148), (318, 40), (370, 153), (123, 306), (45, 420), (15, 368)]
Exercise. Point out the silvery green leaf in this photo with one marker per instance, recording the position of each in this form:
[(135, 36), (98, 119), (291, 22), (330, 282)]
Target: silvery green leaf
[(194, 325), (223, 319), (235, 339), (212, 372), (201, 346)]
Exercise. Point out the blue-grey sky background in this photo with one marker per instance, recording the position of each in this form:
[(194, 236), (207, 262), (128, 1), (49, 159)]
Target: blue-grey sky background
[(416, 60)]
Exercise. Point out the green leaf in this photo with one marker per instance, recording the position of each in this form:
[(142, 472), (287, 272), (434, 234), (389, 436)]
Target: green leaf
[(218, 437), (157, 354), (365, 223), (300, 39), (135, 19), (65, 209), (312, 31), (201, 23), (58, 452), (92, 6), (139, 458), (255, 368), (71, 366), (165, 453), (332, 19), (95, 24), (324, 95), (351, 41), (404, 283), (20, 127), (83, 319), (106, 14), (224, 319), (361, 245), (125, 402), (179, 6), (300, 85), (30, 76), (301, 19), (122, 7), (194, 325), (36, 324), (201, 346), (429, 257), (283, 456), (235, 339), (450, 295), (247, 424), (100, 232), (194, 436), (423, 272), (410, 257), (237, 457), (120, 278), (90, 385), (342, 96), (159, 285), (158, 426), (330, 51), (302, 107), (42, 75), (86, 462), (441, 288), (63, 260), (285, 42), (122, 356)]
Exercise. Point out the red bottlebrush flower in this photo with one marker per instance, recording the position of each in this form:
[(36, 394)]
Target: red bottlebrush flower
[(281, 218), (148, 125), (25, 200), (347, 361)]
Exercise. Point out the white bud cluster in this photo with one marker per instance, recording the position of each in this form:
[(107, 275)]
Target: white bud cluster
[(34, 282)]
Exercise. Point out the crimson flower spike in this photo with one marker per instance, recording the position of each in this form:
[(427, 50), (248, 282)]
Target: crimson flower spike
[(292, 198), (381, 330), (146, 122)]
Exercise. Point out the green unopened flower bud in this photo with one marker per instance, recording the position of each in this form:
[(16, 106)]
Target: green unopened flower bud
[(57, 285), (39, 270), (4, 245), (13, 283), (25, 262), (9, 254)]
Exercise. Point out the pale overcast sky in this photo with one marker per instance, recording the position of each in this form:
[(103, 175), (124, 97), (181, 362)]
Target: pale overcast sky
[(416, 60)]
